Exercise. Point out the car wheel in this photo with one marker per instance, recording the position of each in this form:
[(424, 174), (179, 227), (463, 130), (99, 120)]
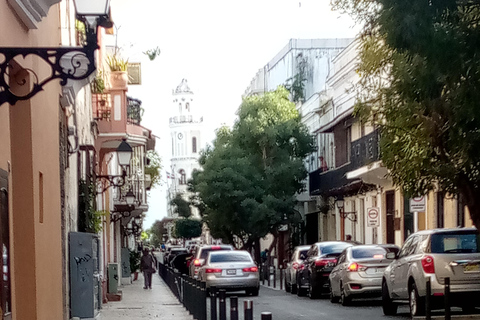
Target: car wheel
[(252, 291), (288, 287), (312, 291), (389, 308), (333, 298), (416, 303), (345, 300)]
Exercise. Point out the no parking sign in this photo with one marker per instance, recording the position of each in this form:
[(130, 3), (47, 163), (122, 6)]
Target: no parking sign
[(417, 204), (373, 217)]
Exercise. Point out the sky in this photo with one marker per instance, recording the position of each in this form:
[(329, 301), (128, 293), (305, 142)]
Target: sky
[(218, 46)]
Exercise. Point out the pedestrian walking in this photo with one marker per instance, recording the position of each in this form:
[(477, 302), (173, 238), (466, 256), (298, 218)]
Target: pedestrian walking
[(147, 266)]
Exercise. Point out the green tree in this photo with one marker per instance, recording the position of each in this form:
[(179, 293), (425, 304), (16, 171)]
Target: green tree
[(420, 84), (154, 167), (182, 206), (187, 228), (250, 176), (157, 233)]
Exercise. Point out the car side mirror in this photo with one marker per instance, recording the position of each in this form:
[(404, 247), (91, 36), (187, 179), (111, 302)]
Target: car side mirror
[(391, 255)]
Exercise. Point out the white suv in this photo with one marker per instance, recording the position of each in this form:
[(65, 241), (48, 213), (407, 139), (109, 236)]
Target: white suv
[(438, 254), (200, 256)]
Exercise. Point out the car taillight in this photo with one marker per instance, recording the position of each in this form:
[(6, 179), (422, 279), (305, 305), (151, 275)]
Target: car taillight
[(324, 262), (216, 248), (295, 265), (353, 267), (196, 263), (428, 265), (209, 270), (252, 269)]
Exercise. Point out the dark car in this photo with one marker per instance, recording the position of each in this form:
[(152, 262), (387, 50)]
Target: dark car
[(175, 252), (320, 261)]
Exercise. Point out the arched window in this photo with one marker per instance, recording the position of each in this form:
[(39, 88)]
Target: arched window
[(183, 177), (187, 106), (180, 107), (194, 144)]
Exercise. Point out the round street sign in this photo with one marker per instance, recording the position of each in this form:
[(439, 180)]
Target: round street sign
[(373, 217)]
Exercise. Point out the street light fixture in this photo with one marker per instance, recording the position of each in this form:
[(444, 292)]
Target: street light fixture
[(66, 63), (124, 155), (130, 197), (352, 216)]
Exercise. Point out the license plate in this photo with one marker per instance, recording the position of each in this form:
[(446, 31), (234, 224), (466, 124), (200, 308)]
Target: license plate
[(231, 272), (471, 268)]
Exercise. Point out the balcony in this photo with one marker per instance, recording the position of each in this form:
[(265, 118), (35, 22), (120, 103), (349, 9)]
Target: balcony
[(365, 151), (187, 118)]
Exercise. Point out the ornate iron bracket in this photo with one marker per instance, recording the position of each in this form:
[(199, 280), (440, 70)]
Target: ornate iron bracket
[(75, 63), (352, 216), (108, 181)]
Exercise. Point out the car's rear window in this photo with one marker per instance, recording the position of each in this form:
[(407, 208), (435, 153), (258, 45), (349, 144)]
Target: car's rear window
[(204, 253), (230, 257), (455, 243), (366, 253), (334, 248)]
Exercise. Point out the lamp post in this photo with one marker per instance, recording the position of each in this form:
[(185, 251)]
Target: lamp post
[(124, 155), (66, 63), (352, 216)]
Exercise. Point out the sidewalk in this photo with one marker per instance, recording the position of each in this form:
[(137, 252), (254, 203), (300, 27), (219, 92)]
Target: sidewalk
[(137, 303)]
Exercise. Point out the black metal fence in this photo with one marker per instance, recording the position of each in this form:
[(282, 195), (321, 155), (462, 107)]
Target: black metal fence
[(193, 295), (190, 292)]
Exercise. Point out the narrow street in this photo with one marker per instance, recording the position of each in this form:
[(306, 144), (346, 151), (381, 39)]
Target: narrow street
[(286, 306)]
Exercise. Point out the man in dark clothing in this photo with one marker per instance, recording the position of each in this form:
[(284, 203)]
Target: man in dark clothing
[(147, 266)]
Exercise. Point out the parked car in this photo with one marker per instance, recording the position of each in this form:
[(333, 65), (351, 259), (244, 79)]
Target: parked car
[(173, 253), (180, 262), (321, 258), (358, 273), (200, 255), (230, 270), (167, 251), (298, 256), (437, 254)]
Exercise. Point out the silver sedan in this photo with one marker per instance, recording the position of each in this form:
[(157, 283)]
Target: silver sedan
[(231, 270), (358, 273)]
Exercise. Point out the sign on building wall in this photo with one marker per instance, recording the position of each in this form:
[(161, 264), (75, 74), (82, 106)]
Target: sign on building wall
[(373, 217), (418, 204)]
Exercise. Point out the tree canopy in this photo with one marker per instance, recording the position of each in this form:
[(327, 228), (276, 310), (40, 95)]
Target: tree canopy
[(182, 206), (249, 177), (187, 228), (420, 79), (158, 233)]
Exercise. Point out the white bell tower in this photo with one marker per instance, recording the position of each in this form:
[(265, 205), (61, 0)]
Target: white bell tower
[(186, 138)]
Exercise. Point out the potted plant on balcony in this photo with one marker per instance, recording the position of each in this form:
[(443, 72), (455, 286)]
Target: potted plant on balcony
[(118, 72)]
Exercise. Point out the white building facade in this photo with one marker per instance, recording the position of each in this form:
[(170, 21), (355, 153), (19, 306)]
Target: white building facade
[(186, 125)]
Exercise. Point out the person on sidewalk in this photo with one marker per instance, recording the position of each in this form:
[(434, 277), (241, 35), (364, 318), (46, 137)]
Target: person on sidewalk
[(147, 266)]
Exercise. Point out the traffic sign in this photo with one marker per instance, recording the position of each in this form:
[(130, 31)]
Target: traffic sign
[(373, 217), (418, 204)]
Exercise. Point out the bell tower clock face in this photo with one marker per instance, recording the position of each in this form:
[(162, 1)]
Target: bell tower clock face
[(180, 136)]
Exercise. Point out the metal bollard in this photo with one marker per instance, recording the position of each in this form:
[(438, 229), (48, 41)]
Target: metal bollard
[(266, 316), (248, 309), (428, 298), (268, 275), (274, 277), (263, 273), (281, 277), (222, 304), (448, 314), (233, 308), (213, 303)]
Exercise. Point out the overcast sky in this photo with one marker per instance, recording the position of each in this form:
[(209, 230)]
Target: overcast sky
[(218, 46)]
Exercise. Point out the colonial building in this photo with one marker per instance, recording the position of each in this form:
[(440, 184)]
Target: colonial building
[(186, 125)]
